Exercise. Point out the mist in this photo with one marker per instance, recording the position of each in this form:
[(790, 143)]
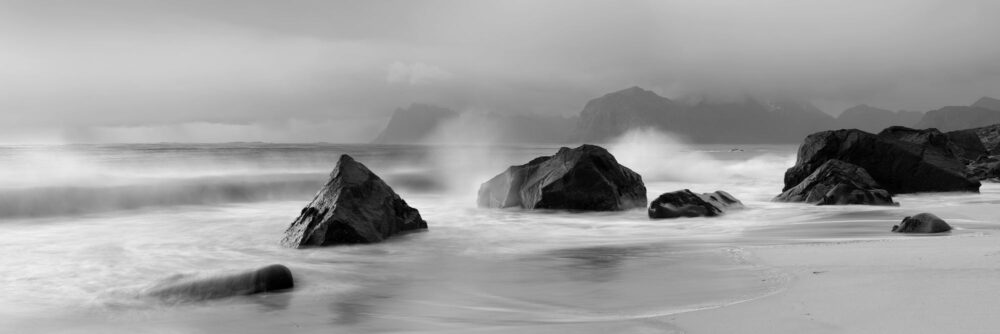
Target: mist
[(105, 71)]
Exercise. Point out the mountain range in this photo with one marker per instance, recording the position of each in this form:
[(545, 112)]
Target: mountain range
[(745, 119)]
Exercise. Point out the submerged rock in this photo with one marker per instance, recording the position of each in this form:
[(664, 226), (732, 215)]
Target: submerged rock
[(275, 277), (837, 183), (354, 207), (586, 178), (898, 166), (684, 203), (922, 223)]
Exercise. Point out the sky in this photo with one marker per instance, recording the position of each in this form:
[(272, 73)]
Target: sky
[(333, 71)]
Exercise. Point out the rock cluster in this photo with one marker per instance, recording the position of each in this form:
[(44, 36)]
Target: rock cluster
[(685, 203)]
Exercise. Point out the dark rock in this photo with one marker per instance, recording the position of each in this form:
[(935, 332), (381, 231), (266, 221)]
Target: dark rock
[(838, 183), (985, 169), (963, 144), (922, 223), (898, 166), (275, 277), (684, 203), (355, 206), (966, 144), (990, 136), (586, 178)]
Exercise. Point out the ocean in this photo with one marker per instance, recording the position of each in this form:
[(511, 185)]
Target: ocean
[(86, 229)]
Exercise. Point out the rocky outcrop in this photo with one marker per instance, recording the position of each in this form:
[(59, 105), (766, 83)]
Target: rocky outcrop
[(872, 119), (272, 278), (355, 206), (684, 203), (837, 183), (990, 137), (897, 166), (963, 144), (985, 169), (586, 178), (922, 223), (966, 144)]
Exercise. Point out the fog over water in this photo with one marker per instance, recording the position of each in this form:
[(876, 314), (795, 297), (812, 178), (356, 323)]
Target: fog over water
[(310, 71)]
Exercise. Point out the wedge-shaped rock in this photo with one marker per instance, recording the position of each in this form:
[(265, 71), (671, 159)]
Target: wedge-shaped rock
[(684, 203), (354, 207), (586, 178), (838, 183), (897, 166)]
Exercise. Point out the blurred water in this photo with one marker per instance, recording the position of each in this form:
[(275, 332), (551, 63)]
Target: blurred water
[(85, 229)]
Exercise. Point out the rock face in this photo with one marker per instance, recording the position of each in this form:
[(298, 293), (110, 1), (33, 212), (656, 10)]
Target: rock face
[(354, 207), (838, 183), (586, 178), (684, 203), (275, 277), (898, 166), (922, 223), (990, 136), (963, 144), (985, 169), (966, 144)]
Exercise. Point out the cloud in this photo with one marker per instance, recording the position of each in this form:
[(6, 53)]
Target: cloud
[(416, 73), (115, 63)]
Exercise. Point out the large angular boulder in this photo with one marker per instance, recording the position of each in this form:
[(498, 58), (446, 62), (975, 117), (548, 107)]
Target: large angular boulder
[(898, 166), (685, 203), (354, 207), (922, 223), (838, 183), (586, 178)]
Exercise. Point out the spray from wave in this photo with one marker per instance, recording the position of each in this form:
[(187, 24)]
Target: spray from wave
[(659, 156)]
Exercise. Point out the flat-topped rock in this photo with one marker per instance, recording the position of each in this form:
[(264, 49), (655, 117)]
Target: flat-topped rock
[(896, 165), (685, 203), (586, 178), (354, 207)]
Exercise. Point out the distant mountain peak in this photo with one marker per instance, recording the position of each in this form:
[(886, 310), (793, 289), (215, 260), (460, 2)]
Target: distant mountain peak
[(986, 102)]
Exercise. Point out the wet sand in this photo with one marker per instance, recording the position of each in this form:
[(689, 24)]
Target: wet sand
[(931, 284)]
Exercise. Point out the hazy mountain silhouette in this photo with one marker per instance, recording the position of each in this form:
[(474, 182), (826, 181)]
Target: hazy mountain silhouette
[(872, 119), (987, 103), (984, 112), (747, 119), (414, 123)]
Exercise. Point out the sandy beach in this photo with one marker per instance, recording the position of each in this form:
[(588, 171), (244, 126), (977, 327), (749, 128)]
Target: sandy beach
[(935, 284)]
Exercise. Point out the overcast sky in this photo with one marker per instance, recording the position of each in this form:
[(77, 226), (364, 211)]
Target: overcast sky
[(142, 70)]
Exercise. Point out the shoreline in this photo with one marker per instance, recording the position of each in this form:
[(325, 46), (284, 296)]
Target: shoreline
[(929, 284)]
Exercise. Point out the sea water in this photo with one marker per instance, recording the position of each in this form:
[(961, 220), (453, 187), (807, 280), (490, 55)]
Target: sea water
[(86, 229)]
